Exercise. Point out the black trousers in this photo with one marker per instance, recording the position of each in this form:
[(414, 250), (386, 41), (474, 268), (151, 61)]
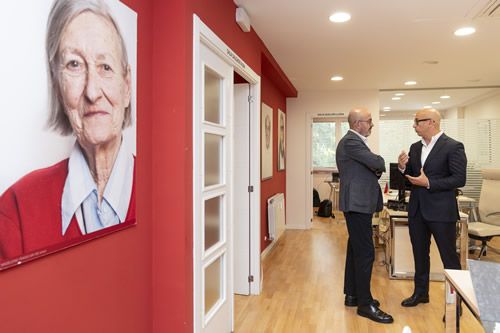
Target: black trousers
[(359, 257), (420, 235)]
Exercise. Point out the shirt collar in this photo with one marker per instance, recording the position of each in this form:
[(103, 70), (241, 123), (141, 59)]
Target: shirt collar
[(364, 138), (79, 184), (433, 140)]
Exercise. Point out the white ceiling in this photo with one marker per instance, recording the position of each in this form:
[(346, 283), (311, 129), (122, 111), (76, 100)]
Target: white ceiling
[(386, 43)]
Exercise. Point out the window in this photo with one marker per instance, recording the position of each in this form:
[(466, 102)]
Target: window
[(325, 136)]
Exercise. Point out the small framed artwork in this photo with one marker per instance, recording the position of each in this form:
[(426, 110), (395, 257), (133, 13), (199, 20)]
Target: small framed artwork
[(266, 159), (281, 139)]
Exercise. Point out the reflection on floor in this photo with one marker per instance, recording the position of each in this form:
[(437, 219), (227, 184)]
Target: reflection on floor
[(302, 290)]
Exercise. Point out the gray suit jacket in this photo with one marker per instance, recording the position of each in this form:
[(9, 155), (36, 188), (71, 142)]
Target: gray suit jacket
[(359, 171)]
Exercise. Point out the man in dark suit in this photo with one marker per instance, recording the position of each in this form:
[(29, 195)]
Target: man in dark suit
[(360, 196), (436, 167)]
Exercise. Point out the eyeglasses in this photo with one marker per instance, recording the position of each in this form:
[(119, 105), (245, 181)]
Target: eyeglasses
[(369, 121), (417, 121)]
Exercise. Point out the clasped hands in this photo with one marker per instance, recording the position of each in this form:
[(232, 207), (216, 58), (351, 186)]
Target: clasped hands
[(420, 180)]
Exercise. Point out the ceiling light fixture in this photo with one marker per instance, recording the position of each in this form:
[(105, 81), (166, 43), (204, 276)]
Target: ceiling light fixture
[(340, 17), (399, 94), (427, 107), (410, 83), (436, 102), (337, 78), (396, 98), (444, 97), (465, 31)]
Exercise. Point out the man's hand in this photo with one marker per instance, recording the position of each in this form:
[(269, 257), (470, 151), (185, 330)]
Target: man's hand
[(421, 180), (402, 160)]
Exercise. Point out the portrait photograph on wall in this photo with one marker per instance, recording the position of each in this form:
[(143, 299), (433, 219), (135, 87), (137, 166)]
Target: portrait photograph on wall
[(281, 139), (266, 158), (68, 130)]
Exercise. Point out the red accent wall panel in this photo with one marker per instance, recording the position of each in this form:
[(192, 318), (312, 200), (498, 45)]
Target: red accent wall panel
[(172, 169), (104, 285), (274, 98)]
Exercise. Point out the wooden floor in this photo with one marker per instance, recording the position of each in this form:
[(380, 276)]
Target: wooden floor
[(303, 290)]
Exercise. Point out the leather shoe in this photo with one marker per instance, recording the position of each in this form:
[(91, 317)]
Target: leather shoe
[(372, 312), (353, 301), (415, 299)]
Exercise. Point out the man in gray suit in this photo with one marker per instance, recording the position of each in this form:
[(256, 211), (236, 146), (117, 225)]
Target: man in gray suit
[(360, 197)]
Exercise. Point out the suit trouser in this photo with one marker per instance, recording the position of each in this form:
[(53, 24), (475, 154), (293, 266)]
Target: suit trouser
[(359, 257), (420, 234)]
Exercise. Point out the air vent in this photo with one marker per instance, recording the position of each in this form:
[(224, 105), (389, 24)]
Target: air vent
[(485, 9)]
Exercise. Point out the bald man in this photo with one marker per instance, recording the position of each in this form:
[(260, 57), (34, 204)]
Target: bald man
[(360, 196), (436, 167)]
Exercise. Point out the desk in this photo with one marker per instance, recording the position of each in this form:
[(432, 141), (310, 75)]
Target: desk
[(333, 197), (399, 255), (458, 286), (468, 206)]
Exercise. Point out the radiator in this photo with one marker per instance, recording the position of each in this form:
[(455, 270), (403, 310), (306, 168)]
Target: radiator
[(276, 216)]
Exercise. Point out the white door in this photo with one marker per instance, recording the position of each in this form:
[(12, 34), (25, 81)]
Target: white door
[(242, 227), (213, 195)]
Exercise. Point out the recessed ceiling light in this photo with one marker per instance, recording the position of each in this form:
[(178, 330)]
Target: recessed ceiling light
[(430, 62), (337, 78), (399, 94), (340, 17), (436, 102), (387, 108), (410, 83), (427, 107), (444, 97), (396, 98), (465, 31)]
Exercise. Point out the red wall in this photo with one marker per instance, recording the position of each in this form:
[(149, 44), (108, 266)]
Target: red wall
[(140, 279), (269, 187), (103, 285)]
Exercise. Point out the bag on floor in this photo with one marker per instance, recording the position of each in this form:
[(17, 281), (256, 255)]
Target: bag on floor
[(325, 208), (316, 199)]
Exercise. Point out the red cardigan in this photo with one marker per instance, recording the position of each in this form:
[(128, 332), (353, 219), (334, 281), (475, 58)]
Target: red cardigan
[(30, 216)]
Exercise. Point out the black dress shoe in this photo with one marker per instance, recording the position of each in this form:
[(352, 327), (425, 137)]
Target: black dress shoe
[(415, 299), (353, 301), (372, 312)]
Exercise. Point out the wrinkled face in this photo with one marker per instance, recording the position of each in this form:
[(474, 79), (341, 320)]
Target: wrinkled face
[(94, 87)]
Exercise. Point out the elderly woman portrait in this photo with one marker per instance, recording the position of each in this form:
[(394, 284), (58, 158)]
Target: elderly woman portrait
[(91, 192)]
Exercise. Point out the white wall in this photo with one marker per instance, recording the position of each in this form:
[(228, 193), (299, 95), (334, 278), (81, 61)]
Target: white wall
[(299, 197), (488, 108)]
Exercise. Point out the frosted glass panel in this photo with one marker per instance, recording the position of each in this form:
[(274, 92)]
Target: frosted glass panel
[(213, 85), (213, 284), (323, 145), (213, 157), (213, 221)]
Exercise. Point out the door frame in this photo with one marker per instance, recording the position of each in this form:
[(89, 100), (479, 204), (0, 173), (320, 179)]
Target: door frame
[(203, 34), (338, 116)]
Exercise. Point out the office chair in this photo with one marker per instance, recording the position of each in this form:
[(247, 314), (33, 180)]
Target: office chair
[(488, 225)]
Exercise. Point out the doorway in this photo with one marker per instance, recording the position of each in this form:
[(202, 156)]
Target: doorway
[(226, 181), (324, 134)]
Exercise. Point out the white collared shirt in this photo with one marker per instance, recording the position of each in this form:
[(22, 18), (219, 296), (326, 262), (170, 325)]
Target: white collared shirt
[(80, 192), (364, 138), (426, 148)]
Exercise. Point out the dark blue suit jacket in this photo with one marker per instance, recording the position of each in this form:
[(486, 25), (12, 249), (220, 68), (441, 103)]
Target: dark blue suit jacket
[(446, 169)]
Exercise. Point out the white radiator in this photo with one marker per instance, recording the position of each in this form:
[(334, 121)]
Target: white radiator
[(276, 216)]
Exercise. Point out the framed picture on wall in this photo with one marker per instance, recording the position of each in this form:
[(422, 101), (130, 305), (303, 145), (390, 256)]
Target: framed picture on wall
[(281, 139), (266, 128), (69, 135)]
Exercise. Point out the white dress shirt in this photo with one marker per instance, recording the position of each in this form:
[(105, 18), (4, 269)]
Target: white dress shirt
[(80, 192), (426, 148)]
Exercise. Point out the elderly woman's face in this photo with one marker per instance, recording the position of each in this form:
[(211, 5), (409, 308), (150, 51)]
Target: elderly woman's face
[(94, 87)]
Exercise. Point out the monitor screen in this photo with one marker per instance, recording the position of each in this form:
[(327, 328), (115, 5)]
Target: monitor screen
[(397, 181)]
